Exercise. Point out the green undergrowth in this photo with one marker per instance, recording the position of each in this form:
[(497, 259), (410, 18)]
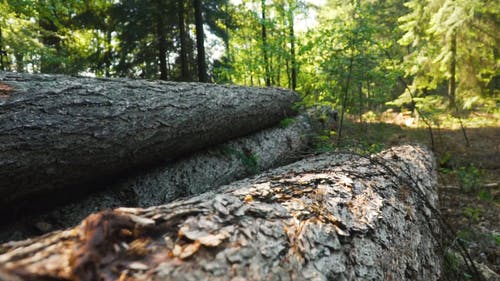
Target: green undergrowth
[(249, 159)]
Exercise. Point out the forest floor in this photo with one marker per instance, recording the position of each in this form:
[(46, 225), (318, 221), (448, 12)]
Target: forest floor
[(468, 181)]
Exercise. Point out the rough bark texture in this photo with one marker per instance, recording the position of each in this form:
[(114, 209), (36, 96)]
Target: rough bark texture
[(330, 217), (61, 132), (200, 172)]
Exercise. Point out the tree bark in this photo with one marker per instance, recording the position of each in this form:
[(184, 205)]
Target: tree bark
[(183, 54), (203, 171), (291, 34), (330, 217), (162, 39), (452, 84), (59, 132), (200, 41), (265, 47), (2, 52)]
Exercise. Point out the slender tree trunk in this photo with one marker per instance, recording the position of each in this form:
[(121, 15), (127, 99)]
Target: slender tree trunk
[(453, 70), (288, 72), (183, 56), (62, 132), (109, 52), (200, 39), (162, 40), (265, 47), (227, 38), (51, 40), (360, 97), (344, 97), (19, 62), (2, 52), (292, 46), (453, 85)]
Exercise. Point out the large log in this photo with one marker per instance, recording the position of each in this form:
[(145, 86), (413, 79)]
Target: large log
[(60, 132), (330, 217), (202, 171)]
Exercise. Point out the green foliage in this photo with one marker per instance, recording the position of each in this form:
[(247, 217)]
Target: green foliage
[(468, 177), (324, 142), (353, 59), (473, 214), (250, 160), (430, 29), (101, 37), (365, 147), (287, 122), (466, 235), (353, 69), (485, 195), (375, 148), (444, 160), (452, 262), (252, 58)]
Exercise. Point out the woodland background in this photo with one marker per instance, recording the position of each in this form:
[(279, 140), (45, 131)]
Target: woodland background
[(354, 54)]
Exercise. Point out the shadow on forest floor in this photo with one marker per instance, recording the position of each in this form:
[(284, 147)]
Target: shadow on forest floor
[(468, 181)]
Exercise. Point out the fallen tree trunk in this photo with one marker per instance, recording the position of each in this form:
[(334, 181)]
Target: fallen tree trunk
[(64, 132), (200, 172), (330, 217)]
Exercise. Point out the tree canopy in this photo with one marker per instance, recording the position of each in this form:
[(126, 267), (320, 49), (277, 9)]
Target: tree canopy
[(355, 55)]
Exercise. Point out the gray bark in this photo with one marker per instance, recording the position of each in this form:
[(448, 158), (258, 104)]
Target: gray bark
[(329, 217), (203, 171), (59, 132)]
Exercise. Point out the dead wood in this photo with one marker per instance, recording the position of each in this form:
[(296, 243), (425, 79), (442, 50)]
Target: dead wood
[(200, 172), (330, 217), (59, 133)]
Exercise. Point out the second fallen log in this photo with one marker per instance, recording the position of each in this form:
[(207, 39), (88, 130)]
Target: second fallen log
[(205, 170), (60, 131)]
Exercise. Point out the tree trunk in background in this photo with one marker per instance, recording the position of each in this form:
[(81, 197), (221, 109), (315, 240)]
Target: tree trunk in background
[(292, 45), (19, 62), (200, 172), (453, 71), (329, 217), (2, 51), (182, 40), (109, 52), (227, 21), (200, 41), (344, 97), (265, 54), (60, 132), (51, 40), (162, 40)]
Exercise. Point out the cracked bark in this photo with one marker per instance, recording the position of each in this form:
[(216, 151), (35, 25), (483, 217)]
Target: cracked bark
[(329, 217), (200, 172), (67, 133)]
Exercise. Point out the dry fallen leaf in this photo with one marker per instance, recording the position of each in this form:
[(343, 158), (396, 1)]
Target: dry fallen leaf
[(248, 198), (213, 240), (138, 266), (189, 250)]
